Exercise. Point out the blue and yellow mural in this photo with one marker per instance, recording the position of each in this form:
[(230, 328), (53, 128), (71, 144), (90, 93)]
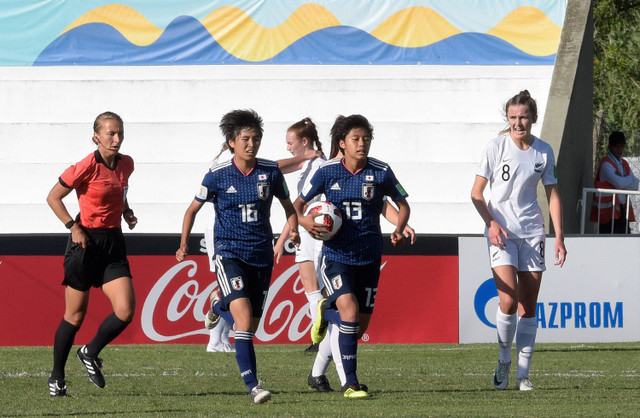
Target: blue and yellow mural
[(354, 32)]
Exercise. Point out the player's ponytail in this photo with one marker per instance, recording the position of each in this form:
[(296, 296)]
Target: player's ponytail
[(336, 131), (305, 128)]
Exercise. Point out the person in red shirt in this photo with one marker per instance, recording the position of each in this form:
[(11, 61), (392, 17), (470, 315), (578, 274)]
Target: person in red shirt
[(614, 172), (96, 254)]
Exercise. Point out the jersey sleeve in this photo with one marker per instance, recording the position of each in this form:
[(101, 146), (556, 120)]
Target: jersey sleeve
[(206, 191), (486, 166), (393, 187), (313, 187), (280, 189), (77, 174), (549, 172)]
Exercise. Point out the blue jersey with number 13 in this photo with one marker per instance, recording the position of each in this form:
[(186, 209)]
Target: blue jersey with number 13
[(360, 197)]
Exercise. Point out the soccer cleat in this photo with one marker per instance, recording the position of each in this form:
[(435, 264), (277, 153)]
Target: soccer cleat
[(354, 391), (212, 319), (524, 384), (501, 376), (57, 387), (259, 395), (313, 348), (361, 386), (221, 348), (93, 366), (320, 325), (319, 383)]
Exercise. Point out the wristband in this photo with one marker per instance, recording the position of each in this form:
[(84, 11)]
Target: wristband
[(69, 224), (127, 210)]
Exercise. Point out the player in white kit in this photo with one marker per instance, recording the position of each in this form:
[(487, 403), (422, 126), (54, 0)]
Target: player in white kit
[(513, 164), (301, 137)]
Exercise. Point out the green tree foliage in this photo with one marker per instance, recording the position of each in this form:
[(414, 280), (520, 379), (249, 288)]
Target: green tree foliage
[(616, 72)]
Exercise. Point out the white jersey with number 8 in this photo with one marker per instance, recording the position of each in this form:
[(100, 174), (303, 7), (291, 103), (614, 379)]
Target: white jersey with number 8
[(513, 176)]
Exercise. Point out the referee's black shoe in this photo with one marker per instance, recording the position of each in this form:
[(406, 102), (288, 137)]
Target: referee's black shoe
[(93, 366), (57, 387)]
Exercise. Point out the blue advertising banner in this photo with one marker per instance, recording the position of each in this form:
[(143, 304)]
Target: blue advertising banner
[(357, 32)]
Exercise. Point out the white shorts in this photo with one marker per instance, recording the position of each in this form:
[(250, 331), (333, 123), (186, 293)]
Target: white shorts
[(525, 254), (310, 249)]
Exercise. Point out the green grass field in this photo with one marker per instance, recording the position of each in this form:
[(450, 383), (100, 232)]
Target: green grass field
[(404, 380)]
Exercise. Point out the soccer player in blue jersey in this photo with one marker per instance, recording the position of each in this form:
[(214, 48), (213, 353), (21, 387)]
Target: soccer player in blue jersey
[(242, 190), (350, 266)]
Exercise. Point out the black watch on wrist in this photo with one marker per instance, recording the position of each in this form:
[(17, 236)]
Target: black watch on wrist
[(69, 224)]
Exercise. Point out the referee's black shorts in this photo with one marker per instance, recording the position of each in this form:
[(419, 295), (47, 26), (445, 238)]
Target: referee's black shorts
[(104, 259)]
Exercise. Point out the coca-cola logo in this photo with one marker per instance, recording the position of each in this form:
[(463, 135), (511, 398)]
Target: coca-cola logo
[(283, 310), (177, 303)]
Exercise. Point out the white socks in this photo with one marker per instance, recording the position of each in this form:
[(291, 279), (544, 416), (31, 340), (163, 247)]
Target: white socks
[(219, 334), (525, 330), (328, 350), (506, 327), (525, 341), (335, 351), (314, 298)]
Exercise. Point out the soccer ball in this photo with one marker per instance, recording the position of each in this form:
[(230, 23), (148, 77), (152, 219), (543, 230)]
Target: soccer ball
[(327, 214)]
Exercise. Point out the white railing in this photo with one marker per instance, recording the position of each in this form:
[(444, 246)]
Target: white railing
[(587, 204)]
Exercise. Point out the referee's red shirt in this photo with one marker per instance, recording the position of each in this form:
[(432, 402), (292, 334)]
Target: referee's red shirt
[(101, 191)]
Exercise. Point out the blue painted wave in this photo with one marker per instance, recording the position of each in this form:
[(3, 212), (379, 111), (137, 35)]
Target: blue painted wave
[(186, 42)]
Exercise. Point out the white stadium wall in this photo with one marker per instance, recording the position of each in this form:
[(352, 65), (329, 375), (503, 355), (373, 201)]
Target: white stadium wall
[(431, 76), (430, 124)]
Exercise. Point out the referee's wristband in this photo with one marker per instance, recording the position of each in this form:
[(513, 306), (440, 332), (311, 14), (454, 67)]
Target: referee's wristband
[(69, 224), (127, 210)]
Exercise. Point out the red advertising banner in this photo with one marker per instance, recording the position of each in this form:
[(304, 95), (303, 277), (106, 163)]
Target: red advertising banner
[(417, 301)]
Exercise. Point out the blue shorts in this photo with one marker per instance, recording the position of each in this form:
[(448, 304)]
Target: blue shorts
[(238, 279), (362, 281)]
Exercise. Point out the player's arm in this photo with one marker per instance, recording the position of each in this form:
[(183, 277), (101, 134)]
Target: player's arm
[(390, 213), (54, 200), (555, 211), (292, 220), (610, 174), (278, 249), (289, 165), (187, 224), (495, 230), (403, 217)]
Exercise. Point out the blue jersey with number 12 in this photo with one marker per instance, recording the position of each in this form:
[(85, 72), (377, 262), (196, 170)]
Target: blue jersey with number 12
[(360, 197), (242, 206)]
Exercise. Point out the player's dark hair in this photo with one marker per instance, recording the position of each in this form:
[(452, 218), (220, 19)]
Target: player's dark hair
[(97, 124), (235, 121), (343, 125), (305, 128), (522, 98)]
